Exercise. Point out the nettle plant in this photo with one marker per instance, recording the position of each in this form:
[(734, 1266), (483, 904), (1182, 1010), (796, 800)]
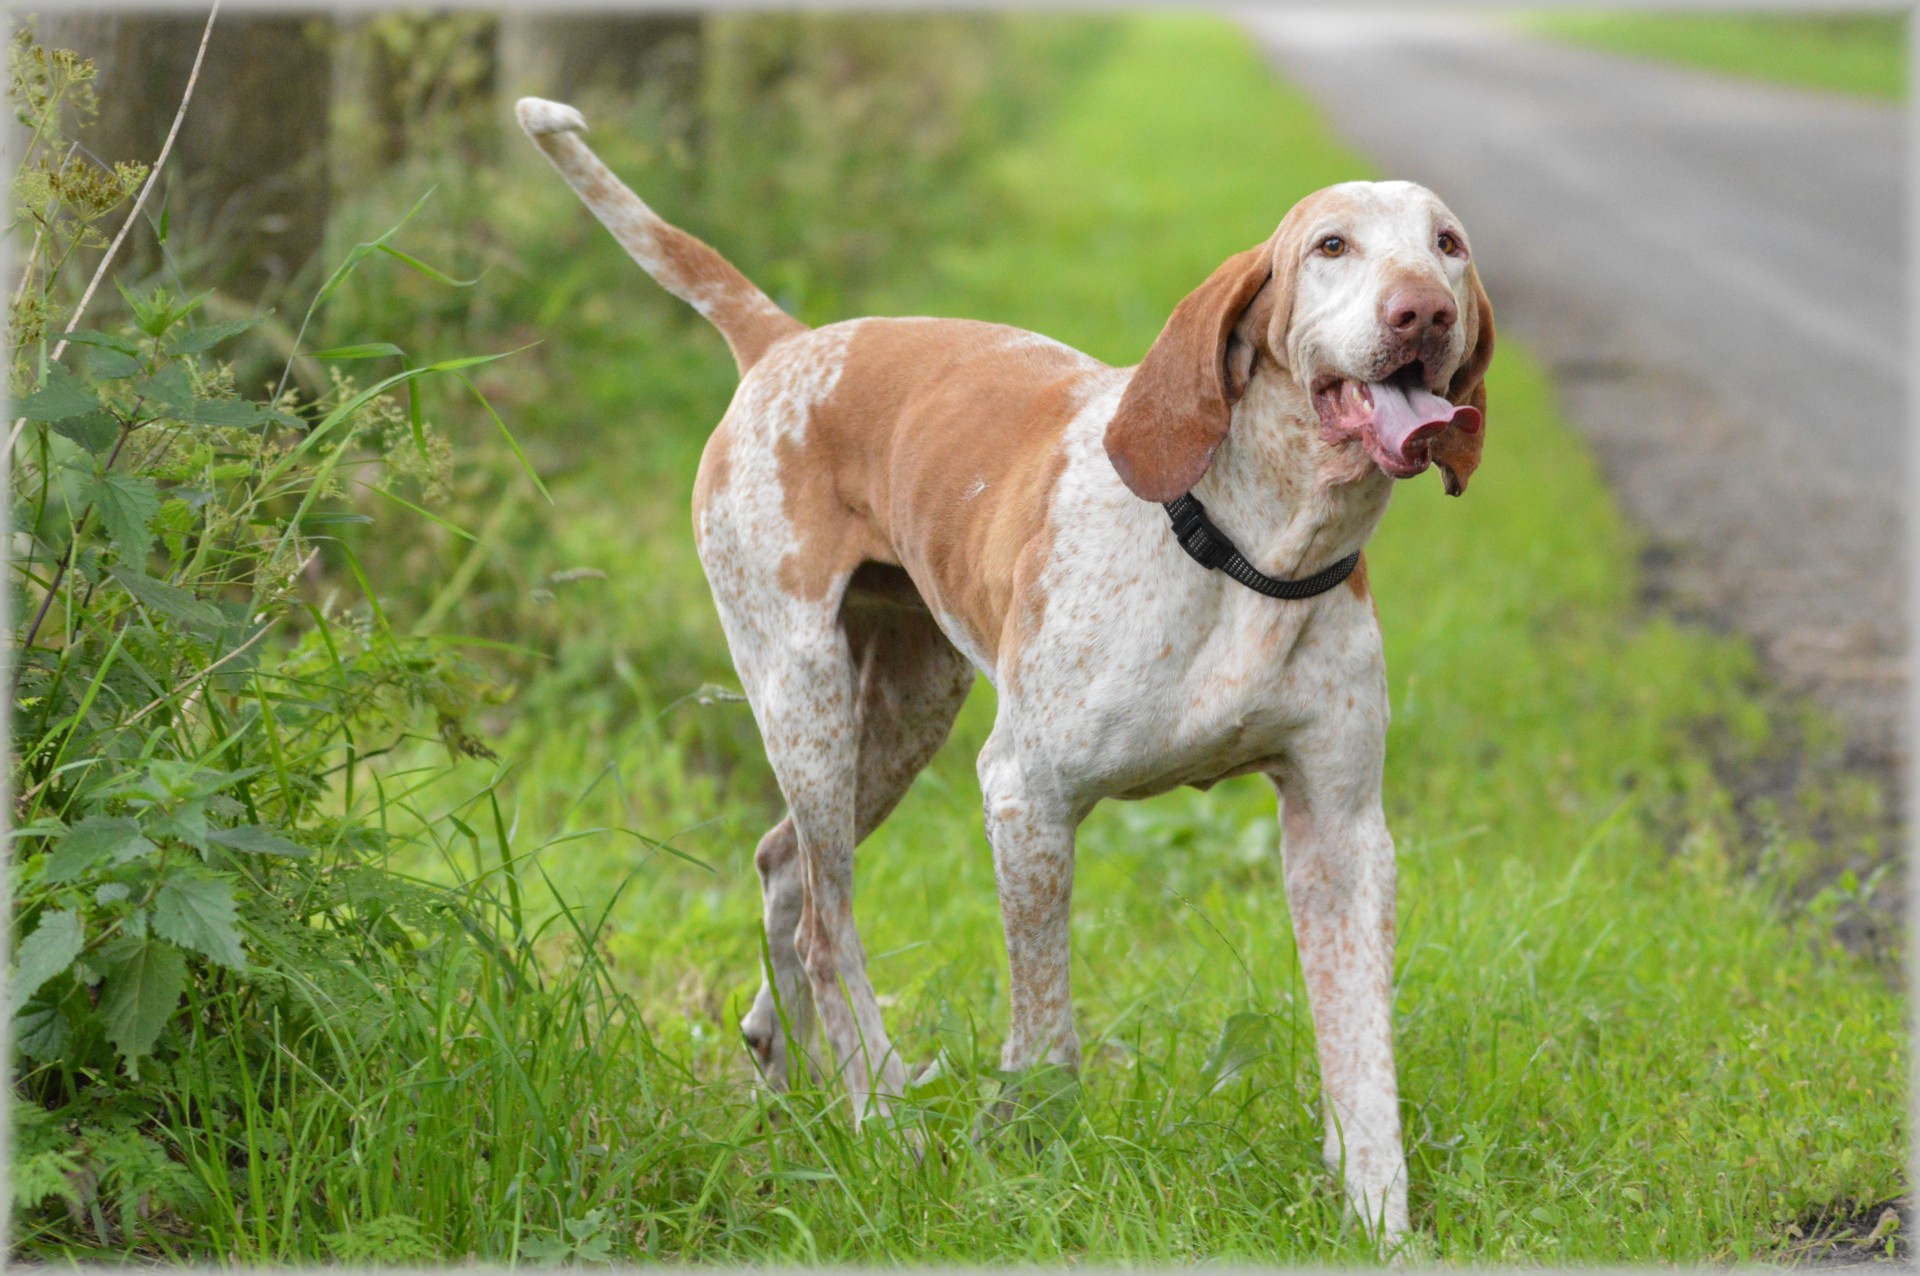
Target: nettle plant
[(199, 840)]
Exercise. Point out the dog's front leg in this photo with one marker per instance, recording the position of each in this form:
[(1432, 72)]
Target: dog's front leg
[(1032, 839), (1340, 878)]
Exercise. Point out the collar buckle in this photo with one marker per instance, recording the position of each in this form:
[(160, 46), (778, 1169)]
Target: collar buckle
[(1204, 542)]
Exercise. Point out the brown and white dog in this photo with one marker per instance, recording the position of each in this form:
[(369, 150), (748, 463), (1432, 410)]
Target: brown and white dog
[(890, 505)]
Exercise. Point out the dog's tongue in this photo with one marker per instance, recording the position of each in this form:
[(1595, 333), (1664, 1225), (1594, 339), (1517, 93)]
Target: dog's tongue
[(1401, 415)]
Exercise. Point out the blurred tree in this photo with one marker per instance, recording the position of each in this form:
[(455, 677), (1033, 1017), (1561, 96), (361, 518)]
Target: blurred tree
[(246, 186), (410, 78), (568, 55), (813, 121)]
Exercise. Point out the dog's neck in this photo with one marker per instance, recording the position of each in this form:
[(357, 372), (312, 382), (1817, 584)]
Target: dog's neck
[(1290, 501)]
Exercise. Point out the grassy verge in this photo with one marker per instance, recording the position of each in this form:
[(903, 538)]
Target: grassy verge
[(1612, 1046), (1863, 54)]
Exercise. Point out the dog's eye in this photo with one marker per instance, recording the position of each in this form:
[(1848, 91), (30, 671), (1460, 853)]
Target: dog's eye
[(1333, 245), (1448, 243)]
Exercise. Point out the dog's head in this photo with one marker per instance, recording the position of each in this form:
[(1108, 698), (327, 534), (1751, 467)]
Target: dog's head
[(1366, 296)]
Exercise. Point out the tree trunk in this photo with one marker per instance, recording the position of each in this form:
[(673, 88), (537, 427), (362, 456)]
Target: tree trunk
[(246, 185), (570, 55)]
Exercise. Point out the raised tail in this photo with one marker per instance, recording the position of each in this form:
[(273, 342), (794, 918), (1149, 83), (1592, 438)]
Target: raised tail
[(684, 266)]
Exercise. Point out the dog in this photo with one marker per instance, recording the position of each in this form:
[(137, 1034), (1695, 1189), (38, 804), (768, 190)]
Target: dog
[(892, 504)]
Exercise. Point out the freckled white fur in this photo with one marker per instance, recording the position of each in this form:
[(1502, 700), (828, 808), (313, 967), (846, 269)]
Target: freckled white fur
[(1390, 228)]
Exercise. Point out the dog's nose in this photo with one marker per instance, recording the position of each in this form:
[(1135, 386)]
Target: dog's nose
[(1411, 309)]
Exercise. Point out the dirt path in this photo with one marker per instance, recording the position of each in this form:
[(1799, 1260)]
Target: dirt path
[(1714, 272)]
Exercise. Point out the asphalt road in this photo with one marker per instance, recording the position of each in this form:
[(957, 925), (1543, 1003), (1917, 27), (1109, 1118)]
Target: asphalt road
[(1715, 271)]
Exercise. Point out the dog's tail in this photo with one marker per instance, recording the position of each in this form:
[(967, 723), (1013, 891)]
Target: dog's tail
[(685, 267)]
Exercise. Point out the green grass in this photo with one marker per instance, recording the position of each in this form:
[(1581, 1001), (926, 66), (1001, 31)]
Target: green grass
[(1614, 1044), (1859, 53)]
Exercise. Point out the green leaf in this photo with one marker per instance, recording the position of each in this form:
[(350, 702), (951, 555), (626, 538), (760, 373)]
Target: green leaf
[(1245, 1038), (40, 1031), (95, 431), (60, 396), (126, 504), (186, 822), (438, 276), (168, 600), (256, 839), (196, 911), (157, 310), (112, 365), (50, 949), (47, 1173), (169, 388), (93, 841), (100, 340), (208, 337), (144, 980), (370, 350), (526, 466)]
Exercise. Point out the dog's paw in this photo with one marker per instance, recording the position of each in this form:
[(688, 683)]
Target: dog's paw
[(539, 116)]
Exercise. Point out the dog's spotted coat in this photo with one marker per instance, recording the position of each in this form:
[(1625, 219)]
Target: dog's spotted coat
[(891, 504)]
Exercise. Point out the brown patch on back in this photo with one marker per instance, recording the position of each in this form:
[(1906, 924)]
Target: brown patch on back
[(937, 451), (825, 481)]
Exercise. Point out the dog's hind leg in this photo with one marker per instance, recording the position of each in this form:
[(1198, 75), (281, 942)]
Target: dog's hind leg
[(783, 1010), (910, 683), (806, 691)]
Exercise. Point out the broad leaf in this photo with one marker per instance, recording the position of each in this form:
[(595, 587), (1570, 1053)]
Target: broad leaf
[(62, 395), (112, 365), (50, 949), (40, 1031), (144, 980), (94, 431), (126, 504), (169, 600), (206, 338), (96, 840), (1244, 1039), (197, 912), (257, 840), (169, 388), (186, 822), (100, 340)]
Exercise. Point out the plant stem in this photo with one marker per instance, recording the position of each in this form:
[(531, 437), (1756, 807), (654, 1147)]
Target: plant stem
[(66, 556), (133, 215)]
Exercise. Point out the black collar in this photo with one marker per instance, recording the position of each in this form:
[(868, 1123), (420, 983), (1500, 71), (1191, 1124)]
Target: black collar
[(1208, 546)]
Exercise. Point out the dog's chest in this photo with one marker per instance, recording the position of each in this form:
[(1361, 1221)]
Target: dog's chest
[(1189, 695)]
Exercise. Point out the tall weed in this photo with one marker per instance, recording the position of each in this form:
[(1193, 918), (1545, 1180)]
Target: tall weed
[(199, 881)]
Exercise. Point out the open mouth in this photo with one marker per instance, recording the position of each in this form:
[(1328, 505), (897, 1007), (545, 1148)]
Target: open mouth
[(1395, 418)]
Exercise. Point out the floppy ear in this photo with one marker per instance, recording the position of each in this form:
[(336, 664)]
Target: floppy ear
[(1174, 413), (1457, 448)]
